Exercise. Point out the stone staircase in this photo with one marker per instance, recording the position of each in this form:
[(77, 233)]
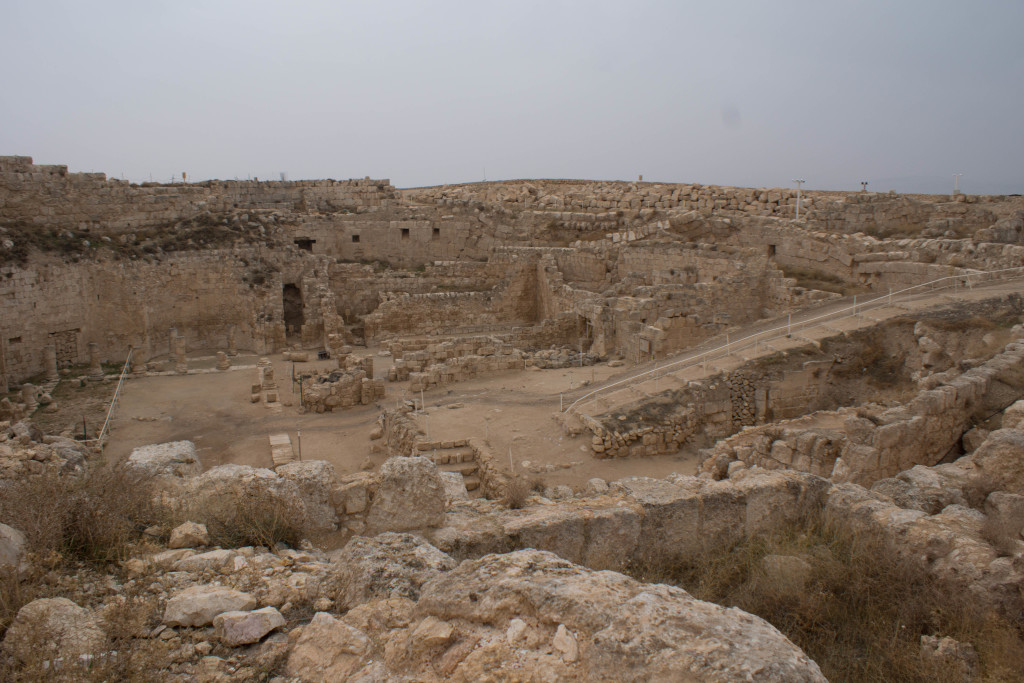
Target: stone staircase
[(454, 456)]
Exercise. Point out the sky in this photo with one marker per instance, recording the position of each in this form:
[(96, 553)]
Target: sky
[(753, 93)]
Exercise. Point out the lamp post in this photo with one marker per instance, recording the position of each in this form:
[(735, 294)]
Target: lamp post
[(863, 186), (799, 182)]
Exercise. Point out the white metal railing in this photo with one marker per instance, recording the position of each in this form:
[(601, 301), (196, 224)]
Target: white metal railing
[(968, 279), (113, 402)]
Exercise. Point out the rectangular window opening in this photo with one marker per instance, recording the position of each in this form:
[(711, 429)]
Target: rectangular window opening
[(436, 234), (405, 233), (355, 238)]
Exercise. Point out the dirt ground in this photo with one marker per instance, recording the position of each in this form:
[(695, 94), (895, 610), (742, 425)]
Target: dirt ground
[(513, 411)]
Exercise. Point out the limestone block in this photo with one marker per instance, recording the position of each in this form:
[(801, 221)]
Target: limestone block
[(327, 650), (241, 628), (68, 631), (12, 547), (175, 459), (387, 566), (199, 605), (410, 496), (189, 535)]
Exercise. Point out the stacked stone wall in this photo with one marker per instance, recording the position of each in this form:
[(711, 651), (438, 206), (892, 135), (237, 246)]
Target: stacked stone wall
[(200, 295), (50, 196)]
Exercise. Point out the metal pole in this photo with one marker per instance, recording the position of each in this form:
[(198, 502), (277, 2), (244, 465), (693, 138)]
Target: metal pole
[(890, 296), (798, 182), (511, 467), (855, 304), (423, 406), (298, 436), (789, 326)]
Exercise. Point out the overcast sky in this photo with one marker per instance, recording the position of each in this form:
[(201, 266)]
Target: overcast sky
[(754, 93)]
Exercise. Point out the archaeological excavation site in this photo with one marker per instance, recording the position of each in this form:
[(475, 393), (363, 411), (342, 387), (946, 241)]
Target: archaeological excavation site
[(533, 430)]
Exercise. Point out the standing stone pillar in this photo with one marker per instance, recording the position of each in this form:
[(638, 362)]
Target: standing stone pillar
[(95, 369), (180, 360), (223, 363), (138, 365), (50, 361), (232, 341), (28, 396), (268, 383)]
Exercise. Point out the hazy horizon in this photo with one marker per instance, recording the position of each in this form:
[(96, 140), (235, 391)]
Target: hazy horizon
[(740, 93)]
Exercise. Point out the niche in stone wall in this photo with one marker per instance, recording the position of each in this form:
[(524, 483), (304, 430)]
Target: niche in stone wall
[(293, 318), (66, 344), (305, 243)]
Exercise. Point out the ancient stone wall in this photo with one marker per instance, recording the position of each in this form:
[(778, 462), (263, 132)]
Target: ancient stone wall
[(200, 295), (872, 445), (50, 196)]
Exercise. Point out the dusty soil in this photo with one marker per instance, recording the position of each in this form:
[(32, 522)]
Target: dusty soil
[(514, 410)]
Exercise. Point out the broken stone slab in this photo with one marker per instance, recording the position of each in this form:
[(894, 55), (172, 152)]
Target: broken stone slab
[(388, 565), (327, 649), (454, 487), (199, 605), (189, 535), (12, 547), (58, 626), (410, 496), (242, 628), (174, 459)]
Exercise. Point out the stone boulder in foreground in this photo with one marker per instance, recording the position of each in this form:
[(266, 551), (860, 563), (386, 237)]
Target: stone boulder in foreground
[(530, 615)]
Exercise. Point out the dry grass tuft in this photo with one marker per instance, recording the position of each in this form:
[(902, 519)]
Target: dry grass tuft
[(92, 518), (860, 609), (253, 515), (516, 493)]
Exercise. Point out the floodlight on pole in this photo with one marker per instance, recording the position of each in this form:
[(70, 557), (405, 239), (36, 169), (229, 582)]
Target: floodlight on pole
[(956, 183), (799, 182), (863, 186)]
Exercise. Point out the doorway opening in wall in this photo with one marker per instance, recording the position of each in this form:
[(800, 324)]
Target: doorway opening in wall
[(305, 243), (771, 251), (293, 319), (66, 344)]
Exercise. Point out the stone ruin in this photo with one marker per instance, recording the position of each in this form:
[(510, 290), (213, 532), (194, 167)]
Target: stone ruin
[(463, 282), (350, 385)]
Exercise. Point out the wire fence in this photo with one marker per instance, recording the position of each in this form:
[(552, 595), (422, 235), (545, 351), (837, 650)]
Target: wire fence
[(966, 280)]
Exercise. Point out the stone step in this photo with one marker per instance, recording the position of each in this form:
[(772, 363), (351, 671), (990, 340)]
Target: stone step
[(472, 483), (463, 468)]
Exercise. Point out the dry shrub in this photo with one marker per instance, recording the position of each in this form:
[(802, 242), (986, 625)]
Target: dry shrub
[(862, 611), (516, 492), (93, 517), (253, 514)]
